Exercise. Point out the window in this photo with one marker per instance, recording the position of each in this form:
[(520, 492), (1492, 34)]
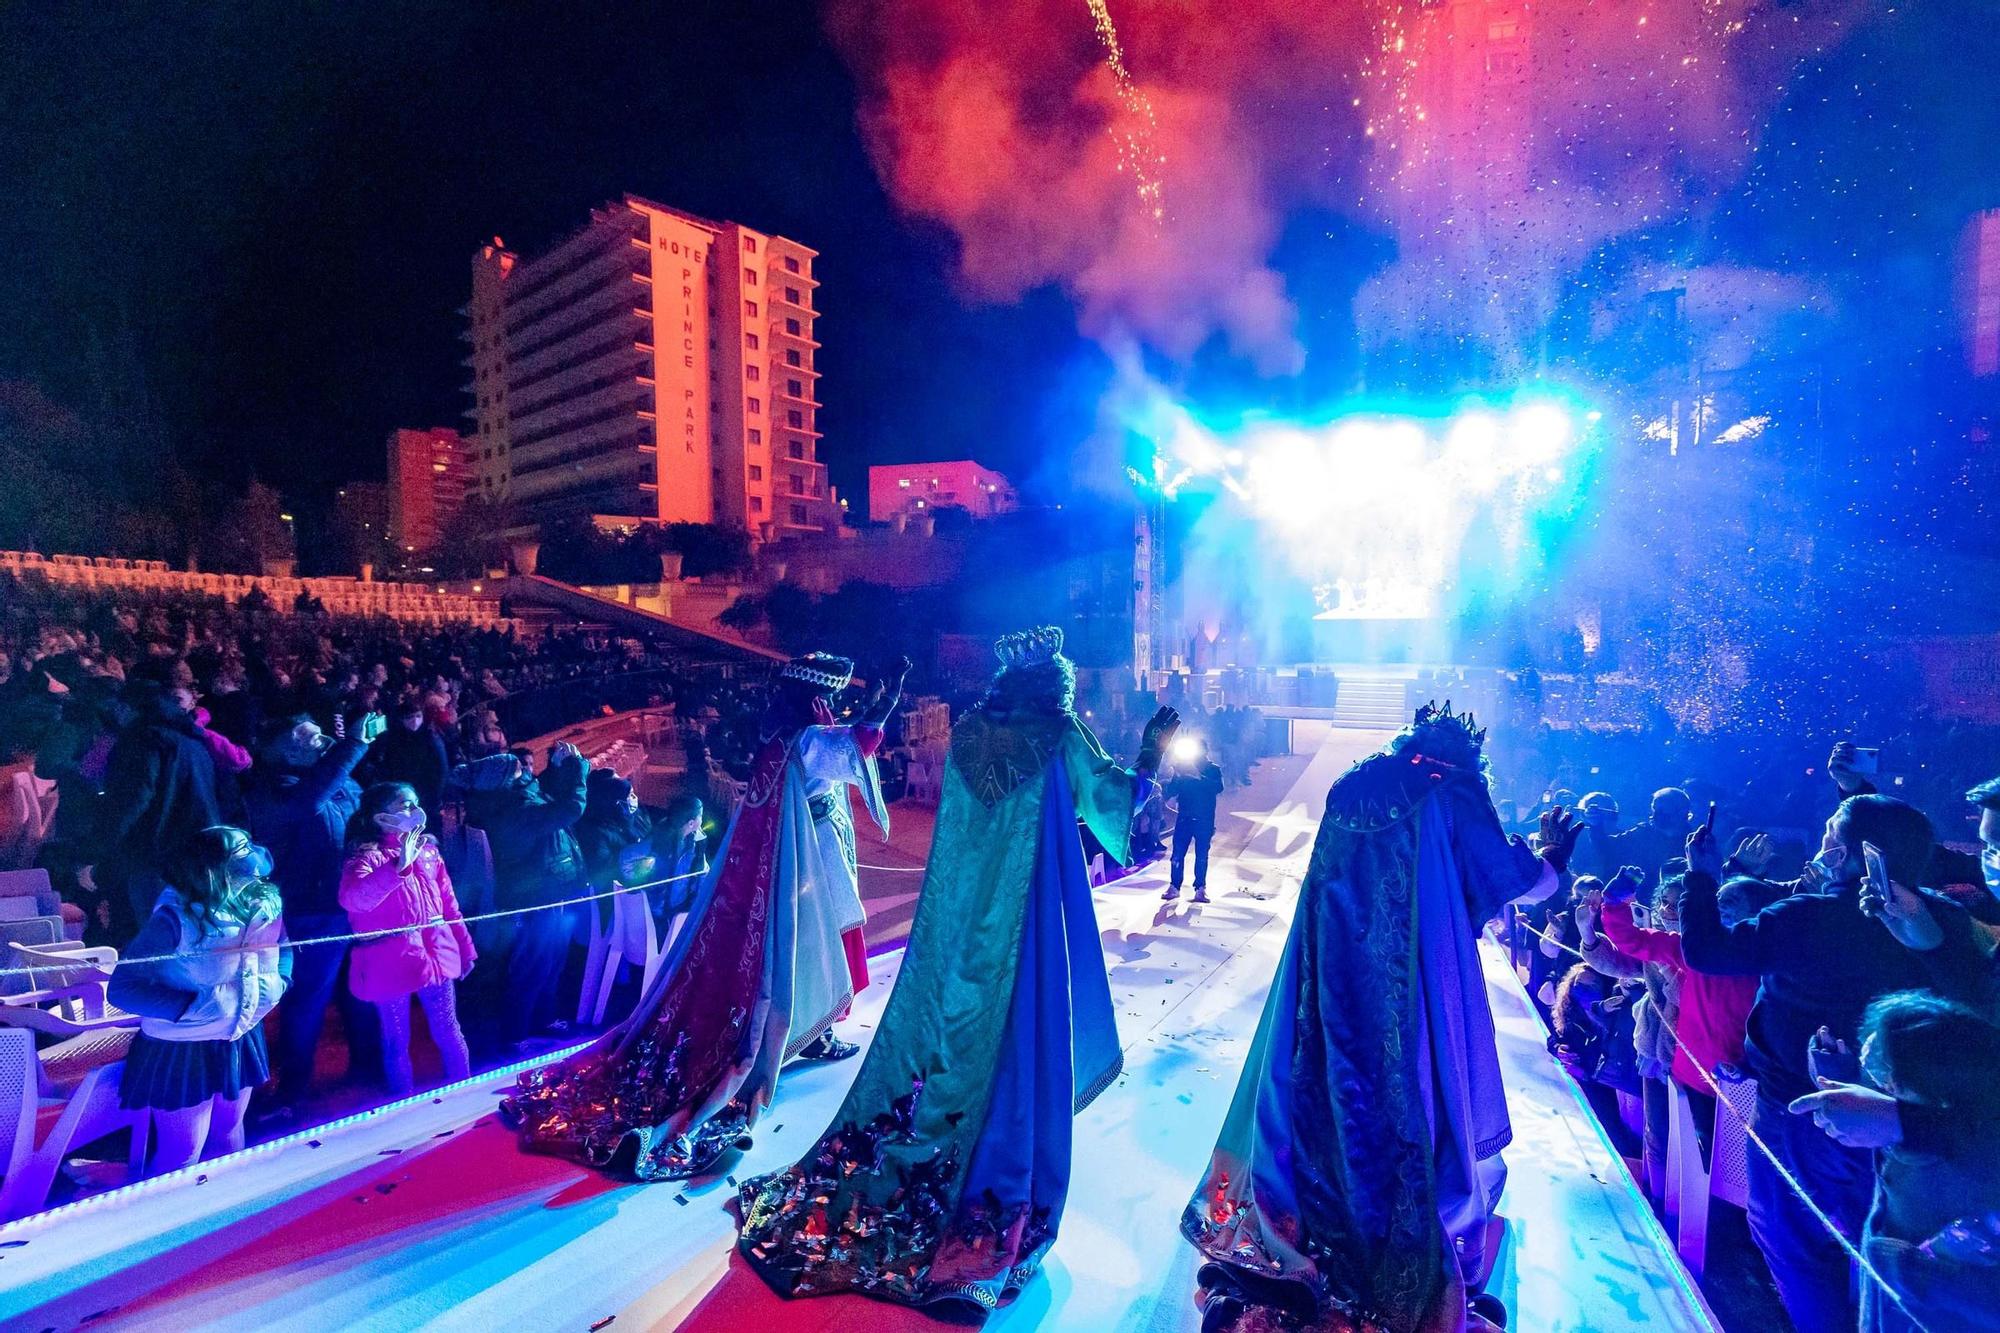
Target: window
[(816, 487), (752, 373), (756, 473), (792, 295), (756, 504), (792, 327), (799, 515), (751, 341), (795, 389), (757, 406), (903, 482), (796, 448), (750, 309), (791, 264), (792, 357), (749, 277), (756, 436), (798, 484), (749, 245), (795, 419)]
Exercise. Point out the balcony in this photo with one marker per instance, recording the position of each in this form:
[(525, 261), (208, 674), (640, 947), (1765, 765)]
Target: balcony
[(803, 338), (775, 296), (779, 391), (778, 275)]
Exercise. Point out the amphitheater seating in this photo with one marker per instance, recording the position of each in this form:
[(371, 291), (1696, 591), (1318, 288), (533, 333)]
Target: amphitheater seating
[(425, 604)]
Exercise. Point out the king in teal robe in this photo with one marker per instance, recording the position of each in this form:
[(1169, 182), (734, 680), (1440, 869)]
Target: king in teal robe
[(942, 1179)]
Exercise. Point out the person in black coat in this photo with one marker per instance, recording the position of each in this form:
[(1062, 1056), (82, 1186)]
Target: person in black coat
[(614, 832), (536, 861), (300, 811), (159, 791), (1193, 789), (411, 752)]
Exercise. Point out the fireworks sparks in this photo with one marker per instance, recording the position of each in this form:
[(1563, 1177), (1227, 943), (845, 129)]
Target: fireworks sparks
[(1134, 134)]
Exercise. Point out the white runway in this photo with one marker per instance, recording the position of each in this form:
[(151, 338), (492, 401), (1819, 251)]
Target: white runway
[(427, 1217)]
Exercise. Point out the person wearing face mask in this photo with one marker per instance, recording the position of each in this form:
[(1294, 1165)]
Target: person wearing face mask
[(680, 855), (1956, 951), (529, 824), (1931, 1234), (1711, 1011), (200, 1048), (1595, 854), (159, 791), (300, 810), (614, 833), (395, 880), (1821, 960)]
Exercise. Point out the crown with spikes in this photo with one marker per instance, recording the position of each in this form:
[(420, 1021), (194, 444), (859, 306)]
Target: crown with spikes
[(822, 671), (1031, 647), (1439, 728)]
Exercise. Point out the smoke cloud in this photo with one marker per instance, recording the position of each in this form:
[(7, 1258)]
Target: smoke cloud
[(1500, 146)]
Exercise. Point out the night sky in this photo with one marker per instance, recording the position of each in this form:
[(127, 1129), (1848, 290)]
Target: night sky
[(263, 213), (273, 206)]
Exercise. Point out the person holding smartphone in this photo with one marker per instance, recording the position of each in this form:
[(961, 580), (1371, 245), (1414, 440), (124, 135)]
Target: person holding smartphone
[(1820, 961)]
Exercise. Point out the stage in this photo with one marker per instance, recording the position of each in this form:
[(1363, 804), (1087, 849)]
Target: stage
[(426, 1216)]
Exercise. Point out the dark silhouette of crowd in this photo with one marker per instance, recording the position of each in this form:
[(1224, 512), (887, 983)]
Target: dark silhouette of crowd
[(1846, 971), (198, 776)]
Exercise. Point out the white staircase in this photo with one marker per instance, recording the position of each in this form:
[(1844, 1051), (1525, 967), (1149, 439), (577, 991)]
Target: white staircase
[(1377, 703)]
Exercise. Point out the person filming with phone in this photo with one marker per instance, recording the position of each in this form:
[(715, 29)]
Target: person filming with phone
[(1821, 959)]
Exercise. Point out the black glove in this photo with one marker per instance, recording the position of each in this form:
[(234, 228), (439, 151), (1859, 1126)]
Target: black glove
[(1159, 734), (1560, 833)]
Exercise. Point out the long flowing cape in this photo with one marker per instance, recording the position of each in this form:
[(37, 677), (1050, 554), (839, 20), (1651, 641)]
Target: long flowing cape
[(1373, 1070), (944, 1172), (754, 976)]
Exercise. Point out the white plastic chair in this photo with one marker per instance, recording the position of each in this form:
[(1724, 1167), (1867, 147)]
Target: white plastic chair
[(629, 940), (1691, 1187), (88, 1114), (41, 931)]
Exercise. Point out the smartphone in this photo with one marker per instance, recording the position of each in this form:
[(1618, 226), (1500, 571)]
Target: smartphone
[(1710, 825), (1868, 759)]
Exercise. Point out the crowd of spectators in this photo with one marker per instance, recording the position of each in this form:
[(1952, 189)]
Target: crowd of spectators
[(244, 786), (1852, 982)]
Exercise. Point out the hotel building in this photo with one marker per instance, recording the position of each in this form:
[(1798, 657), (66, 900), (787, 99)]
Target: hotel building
[(655, 367)]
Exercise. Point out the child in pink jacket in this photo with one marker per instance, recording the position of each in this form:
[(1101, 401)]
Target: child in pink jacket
[(395, 880)]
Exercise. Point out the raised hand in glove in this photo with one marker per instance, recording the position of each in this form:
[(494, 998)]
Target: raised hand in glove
[(1560, 832), (1159, 734)]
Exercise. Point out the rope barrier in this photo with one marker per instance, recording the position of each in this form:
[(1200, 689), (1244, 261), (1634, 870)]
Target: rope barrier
[(1751, 1136), (358, 936), (361, 936)]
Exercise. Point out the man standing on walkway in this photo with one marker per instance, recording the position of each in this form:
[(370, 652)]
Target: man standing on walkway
[(1193, 791)]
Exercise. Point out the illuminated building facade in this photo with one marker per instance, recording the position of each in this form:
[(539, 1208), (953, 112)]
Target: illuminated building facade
[(430, 474), (653, 366), (904, 488)]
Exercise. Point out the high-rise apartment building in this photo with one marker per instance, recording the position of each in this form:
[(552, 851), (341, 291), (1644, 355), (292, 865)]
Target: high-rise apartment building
[(653, 366), (430, 475)]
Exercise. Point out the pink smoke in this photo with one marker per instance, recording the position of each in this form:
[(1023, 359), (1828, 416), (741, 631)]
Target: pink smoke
[(1499, 145)]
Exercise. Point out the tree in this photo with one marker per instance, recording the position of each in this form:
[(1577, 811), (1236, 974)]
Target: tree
[(472, 539), (707, 549)]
